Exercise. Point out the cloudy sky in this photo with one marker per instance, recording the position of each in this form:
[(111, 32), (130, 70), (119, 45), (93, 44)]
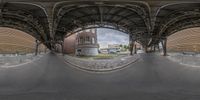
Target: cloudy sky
[(109, 36)]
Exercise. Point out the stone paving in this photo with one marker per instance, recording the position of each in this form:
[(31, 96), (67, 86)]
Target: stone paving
[(103, 64)]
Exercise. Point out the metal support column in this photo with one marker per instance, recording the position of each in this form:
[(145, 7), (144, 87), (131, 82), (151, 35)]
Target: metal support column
[(45, 50), (135, 48), (131, 48), (36, 47), (164, 44), (62, 47), (151, 48), (145, 49), (131, 44), (158, 47)]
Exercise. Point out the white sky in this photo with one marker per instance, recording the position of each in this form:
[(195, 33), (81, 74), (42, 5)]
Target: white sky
[(109, 36)]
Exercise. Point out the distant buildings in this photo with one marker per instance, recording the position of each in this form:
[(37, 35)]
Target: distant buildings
[(112, 48), (115, 48), (138, 46)]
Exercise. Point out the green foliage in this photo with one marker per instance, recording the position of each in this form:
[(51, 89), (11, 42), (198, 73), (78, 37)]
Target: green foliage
[(124, 47), (104, 56)]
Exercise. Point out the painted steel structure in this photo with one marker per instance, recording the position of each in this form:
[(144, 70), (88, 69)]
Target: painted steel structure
[(147, 21)]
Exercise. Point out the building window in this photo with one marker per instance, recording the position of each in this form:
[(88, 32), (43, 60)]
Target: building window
[(93, 42), (78, 40), (81, 40), (87, 39)]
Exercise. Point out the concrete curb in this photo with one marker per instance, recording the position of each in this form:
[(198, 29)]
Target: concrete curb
[(103, 70)]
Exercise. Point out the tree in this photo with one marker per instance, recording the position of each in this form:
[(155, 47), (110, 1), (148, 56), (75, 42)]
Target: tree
[(121, 45), (125, 47)]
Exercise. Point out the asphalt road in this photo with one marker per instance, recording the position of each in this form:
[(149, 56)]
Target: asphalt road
[(50, 78)]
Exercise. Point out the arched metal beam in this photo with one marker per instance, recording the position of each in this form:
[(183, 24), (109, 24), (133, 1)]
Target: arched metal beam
[(188, 15), (169, 18), (187, 23), (23, 19), (129, 7), (97, 15)]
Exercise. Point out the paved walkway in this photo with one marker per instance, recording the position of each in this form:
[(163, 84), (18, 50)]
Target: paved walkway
[(151, 78), (103, 64)]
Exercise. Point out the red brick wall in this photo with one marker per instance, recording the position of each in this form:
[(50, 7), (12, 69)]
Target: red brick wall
[(185, 40), (69, 44)]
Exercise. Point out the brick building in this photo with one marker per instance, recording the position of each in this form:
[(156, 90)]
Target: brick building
[(83, 43), (69, 44)]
